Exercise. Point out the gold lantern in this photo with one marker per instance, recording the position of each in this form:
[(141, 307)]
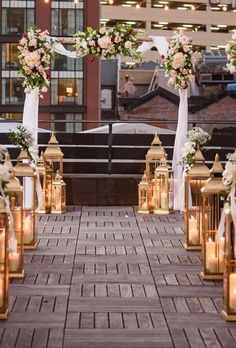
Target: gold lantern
[(144, 195), (195, 179), (229, 279), (153, 156), (54, 155), (26, 173), (212, 205), (163, 188), (46, 177), (4, 275), (58, 195), (15, 194)]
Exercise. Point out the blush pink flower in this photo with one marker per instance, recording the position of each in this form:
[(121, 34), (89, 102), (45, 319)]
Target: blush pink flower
[(178, 60)]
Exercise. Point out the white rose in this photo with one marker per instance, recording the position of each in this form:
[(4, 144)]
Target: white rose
[(229, 174), (32, 58), (104, 42), (128, 44)]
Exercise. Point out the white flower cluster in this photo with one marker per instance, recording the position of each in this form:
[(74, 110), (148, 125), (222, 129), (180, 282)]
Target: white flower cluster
[(35, 52), (229, 174), (196, 138), (4, 174), (107, 42), (231, 54), (178, 62)]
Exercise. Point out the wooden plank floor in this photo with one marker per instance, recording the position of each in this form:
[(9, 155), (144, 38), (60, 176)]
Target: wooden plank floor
[(108, 277)]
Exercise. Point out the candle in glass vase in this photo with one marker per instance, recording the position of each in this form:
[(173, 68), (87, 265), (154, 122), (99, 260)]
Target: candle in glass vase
[(213, 264), (144, 205), (1, 290), (27, 227), (14, 260), (210, 252), (2, 247), (193, 231), (232, 291), (164, 200)]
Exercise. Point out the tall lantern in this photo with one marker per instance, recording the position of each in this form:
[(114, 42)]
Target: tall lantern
[(153, 156), (229, 280), (53, 155), (15, 194), (144, 195), (46, 177), (58, 195), (212, 205), (163, 188), (4, 271), (195, 179), (25, 171)]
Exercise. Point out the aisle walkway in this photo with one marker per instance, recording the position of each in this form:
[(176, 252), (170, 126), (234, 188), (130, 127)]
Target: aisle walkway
[(107, 277)]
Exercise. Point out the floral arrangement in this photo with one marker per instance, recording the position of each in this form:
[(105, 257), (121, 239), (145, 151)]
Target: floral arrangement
[(231, 54), (107, 42), (178, 62), (35, 52), (196, 138), (229, 174), (22, 138)]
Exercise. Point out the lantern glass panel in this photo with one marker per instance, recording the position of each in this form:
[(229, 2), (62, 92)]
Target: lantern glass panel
[(3, 266)]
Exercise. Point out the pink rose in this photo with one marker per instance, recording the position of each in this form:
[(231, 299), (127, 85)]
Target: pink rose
[(186, 48), (44, 89), (173, 73), (178, 60)]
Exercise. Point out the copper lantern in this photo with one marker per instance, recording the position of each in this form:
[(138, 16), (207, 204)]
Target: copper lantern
[(15, 194), (58, 195), (26, 173), (212, 206), (196, 177), (163, 188), (46, 177)]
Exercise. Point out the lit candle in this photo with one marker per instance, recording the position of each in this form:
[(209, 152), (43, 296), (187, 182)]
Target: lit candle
[(28, 237), (232, 291), (164, 200), (144, 205), (212, 264), (210, 252), (221, 254), (14, 260), (193, 231), (2, 247)]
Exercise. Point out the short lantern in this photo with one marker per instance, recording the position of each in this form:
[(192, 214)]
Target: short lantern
[(46, 177), (212, 206), (153, 156), (4, 261), (144, 195), (26, 173), (229, 279), (54, 155), (15, 194), (163, 188), (194, 180), (58, 195)]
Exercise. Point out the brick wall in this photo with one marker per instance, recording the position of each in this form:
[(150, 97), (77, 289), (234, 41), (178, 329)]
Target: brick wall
[(161, 109)]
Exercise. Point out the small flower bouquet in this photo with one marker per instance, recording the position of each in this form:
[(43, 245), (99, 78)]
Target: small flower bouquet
[(107, 42), (178, 62), (231, 54), (23, 138), (35, 52), (196, 138)]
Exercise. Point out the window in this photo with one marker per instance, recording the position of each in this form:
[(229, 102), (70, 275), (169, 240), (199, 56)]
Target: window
[(12, 91), (66, 22), (10, 56), (67, 87), (16, 20), (72, 122), (63, 63)]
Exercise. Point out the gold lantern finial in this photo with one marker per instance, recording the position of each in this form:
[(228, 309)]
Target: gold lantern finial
[(53, 140), (156, 141), (199, 167), (217, 166)]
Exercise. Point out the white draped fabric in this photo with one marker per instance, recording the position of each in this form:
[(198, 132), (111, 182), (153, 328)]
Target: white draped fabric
[(180, 139)]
